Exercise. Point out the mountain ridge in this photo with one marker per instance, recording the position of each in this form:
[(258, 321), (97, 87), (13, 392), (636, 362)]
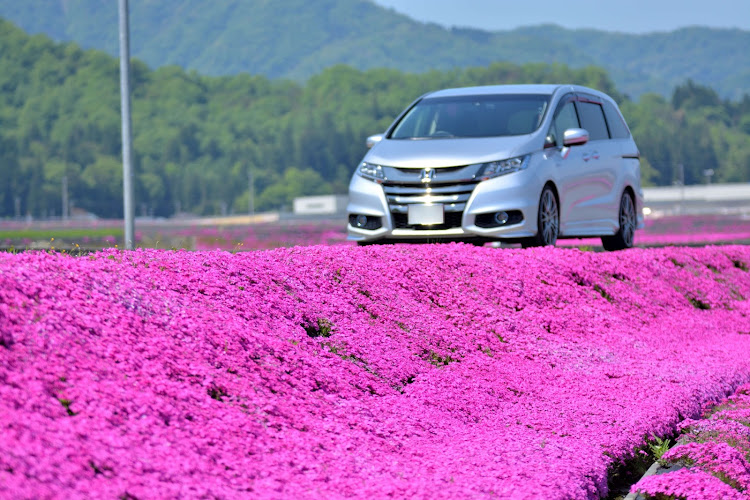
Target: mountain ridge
[(297, 39)]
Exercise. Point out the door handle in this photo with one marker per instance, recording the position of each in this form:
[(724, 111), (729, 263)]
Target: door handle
[(589, 155)]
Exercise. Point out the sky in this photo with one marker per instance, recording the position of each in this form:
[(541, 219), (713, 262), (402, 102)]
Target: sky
[(629, 16)]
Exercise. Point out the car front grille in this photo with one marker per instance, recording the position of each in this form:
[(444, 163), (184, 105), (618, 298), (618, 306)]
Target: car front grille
[(450, 187)]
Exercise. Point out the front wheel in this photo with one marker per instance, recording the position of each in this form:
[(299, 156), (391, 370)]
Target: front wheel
[(548, 221), (625, 235)]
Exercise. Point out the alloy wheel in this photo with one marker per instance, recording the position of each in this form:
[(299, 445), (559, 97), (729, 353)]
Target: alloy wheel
[(548, 218), (627, 220)]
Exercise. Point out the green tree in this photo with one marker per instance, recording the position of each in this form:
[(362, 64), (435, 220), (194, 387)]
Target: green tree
[(196, 136)]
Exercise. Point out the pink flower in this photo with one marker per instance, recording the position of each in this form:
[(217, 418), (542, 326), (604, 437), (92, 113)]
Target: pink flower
[(434, 371)]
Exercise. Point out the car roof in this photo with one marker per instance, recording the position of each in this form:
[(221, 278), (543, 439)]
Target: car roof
[(544, 89), (495, 89)]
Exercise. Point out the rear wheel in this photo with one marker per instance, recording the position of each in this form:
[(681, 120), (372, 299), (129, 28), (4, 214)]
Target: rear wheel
[(625, 235), (548, 221)]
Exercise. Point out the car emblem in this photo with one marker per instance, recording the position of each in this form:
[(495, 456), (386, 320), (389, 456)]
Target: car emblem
[(427, 175)]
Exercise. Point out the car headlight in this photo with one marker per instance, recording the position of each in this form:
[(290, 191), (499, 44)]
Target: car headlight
[(371, 171), (502, 167)]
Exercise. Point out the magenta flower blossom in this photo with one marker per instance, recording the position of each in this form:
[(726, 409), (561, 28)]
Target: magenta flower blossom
[(715, 450), (692, 484), (434, 371)]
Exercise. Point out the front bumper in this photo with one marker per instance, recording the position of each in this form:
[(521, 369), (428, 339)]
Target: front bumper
[(474, 203)]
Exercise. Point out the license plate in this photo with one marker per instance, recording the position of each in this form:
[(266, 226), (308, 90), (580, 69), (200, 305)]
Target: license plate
[(424, 215)]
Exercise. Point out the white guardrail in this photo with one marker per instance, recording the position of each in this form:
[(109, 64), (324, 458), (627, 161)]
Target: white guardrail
[(701, 199), (709, 193)]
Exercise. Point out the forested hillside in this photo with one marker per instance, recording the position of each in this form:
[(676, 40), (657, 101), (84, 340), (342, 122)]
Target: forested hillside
[(197, 137), (299, 38)]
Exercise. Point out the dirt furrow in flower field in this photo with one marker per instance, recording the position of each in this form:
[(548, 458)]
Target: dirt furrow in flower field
[(435, 371)]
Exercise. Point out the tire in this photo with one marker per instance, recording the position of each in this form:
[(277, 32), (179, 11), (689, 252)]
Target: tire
[(547, 220), (627, 219)]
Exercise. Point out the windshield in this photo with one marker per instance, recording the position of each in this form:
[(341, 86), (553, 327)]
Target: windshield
[(473, 116)]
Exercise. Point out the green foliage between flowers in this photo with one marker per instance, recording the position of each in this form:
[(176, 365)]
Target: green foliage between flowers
[(659, 447)]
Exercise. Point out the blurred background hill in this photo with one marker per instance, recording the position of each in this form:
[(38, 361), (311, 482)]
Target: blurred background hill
[(212, 138), (299, 38)]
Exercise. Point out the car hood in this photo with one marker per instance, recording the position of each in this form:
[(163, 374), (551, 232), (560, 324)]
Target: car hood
[(447, 152)]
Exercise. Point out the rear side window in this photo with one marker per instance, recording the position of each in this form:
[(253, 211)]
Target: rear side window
[(617, 126), (592, 119)]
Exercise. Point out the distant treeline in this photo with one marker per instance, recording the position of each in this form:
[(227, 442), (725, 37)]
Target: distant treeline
[(198, 138)]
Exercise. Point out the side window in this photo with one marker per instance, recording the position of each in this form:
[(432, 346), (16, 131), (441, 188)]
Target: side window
[(617, 126), (592, 119), (565, 118)]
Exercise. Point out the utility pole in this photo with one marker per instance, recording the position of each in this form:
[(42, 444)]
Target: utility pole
[(127, 143)]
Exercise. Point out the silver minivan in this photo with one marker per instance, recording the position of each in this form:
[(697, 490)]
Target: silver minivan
[(511, 163)]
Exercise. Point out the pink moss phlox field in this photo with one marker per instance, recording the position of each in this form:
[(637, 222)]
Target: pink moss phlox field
[(269, 235), (688, 484), (434, 371), (716, 452), (657, 231), (683, 230)]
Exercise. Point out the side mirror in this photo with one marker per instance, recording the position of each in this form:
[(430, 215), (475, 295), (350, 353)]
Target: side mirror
[(374, 139), (575, 137)]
